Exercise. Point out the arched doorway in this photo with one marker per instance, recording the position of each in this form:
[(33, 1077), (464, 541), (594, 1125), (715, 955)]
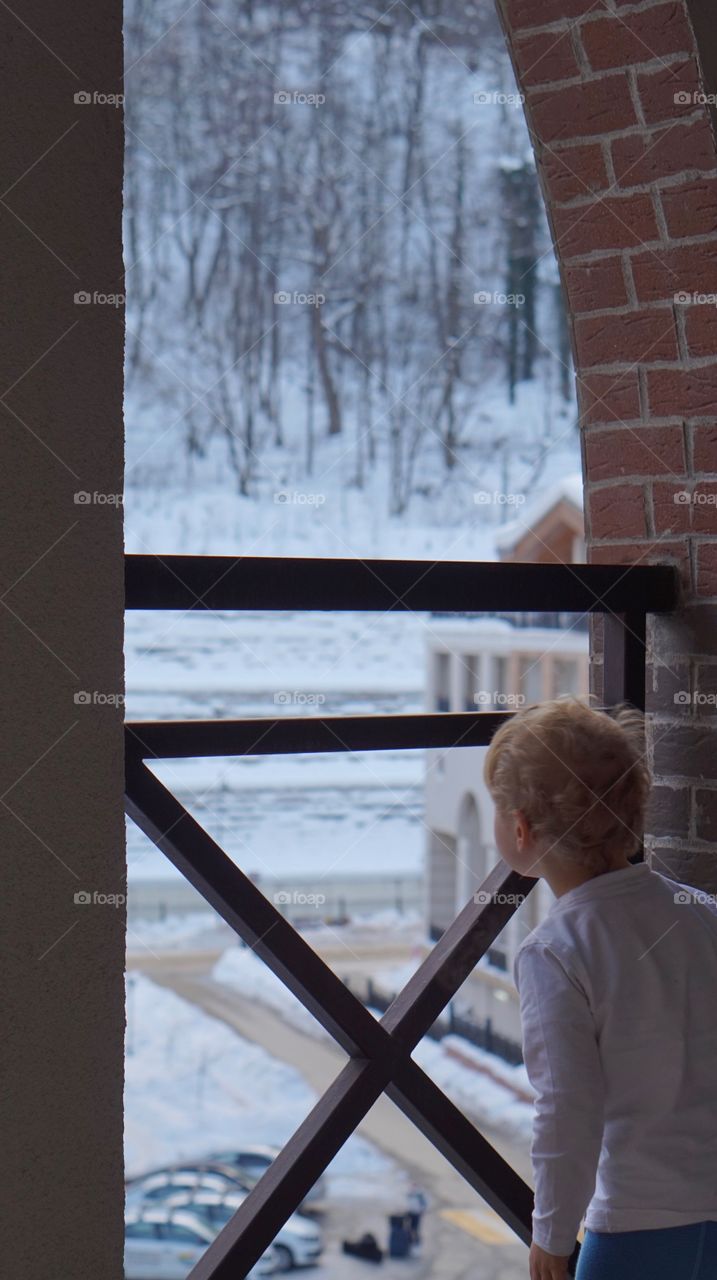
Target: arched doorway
[(471, 867)]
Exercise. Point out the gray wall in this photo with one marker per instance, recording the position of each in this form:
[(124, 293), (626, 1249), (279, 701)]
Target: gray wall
[(61, 633)]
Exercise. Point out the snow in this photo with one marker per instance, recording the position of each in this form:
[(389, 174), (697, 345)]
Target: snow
[(487, 1100), (203, 928), (484, 1099), (285, 815), (172, 505), (251, 658), (366, 823), (193, 1085), (373, 928), (177, 932), (242, 969), (204, 515)]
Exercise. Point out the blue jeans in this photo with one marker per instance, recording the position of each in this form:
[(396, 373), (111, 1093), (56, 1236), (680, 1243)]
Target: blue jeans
[(670, 1253)]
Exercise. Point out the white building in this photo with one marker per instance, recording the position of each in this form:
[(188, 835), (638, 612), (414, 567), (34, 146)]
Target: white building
[(490, 663)]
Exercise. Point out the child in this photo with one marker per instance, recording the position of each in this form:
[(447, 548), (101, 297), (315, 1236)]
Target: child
[(618, 999)]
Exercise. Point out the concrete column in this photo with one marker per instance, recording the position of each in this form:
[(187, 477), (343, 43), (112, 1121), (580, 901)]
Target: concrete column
[(61, 590)]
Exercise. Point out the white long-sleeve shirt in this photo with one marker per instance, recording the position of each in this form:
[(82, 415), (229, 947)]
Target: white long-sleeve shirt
[(618, 1001)]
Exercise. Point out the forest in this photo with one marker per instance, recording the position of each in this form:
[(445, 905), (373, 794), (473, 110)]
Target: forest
[(335, 241)]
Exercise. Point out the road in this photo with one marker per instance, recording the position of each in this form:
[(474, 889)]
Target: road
[(463, 1239)]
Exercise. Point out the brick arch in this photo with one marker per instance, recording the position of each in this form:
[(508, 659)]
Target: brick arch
[(617, 102)]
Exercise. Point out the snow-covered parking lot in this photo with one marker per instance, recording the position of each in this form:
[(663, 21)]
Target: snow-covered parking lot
[(193, 1086)]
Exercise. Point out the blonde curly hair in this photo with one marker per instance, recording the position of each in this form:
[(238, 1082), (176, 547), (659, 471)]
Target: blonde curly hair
[(577, 774)]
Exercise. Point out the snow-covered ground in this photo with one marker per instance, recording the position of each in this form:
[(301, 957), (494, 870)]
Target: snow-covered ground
[(280, 816), (205, 929), (194, 930), (477, 1091), (193, 1085), (284, 815)]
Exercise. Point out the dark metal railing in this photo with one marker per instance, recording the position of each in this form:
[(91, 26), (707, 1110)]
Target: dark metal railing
[(379, 1052)]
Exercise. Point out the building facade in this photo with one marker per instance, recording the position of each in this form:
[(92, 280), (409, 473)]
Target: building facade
[(493, 664)]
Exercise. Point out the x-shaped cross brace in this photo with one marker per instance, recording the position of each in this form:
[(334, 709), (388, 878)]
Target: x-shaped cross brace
[(379, 1052)]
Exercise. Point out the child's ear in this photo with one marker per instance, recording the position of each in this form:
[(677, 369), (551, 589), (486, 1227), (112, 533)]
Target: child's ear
[(522, 830)]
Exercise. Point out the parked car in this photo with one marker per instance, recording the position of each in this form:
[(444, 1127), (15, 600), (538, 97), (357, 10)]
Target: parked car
[(203, 1164), (166, 1244), (298, 1243), (158, 1187), (251, 1162)]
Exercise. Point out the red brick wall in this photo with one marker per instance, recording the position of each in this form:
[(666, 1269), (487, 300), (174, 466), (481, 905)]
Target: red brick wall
[(617, 100)]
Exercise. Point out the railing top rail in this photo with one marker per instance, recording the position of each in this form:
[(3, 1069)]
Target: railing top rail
[(224, 583), (295, 735)]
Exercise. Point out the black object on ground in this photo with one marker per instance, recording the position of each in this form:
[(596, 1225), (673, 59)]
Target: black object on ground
[(366, 1248)]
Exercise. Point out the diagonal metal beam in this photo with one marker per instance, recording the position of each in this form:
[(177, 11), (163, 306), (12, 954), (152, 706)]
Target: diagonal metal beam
[(236, 898), (456, 1137), (455, 955), (293, 1173), (471, 1155), (333, 1119), (387, 1059), (238, 901)]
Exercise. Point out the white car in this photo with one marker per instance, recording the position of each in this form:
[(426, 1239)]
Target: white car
[(166, 1244), (297, 1244), (251, 1162), (157, 1187)]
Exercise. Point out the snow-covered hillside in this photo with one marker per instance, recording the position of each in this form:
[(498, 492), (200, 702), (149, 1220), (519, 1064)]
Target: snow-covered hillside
[(343, 310)]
